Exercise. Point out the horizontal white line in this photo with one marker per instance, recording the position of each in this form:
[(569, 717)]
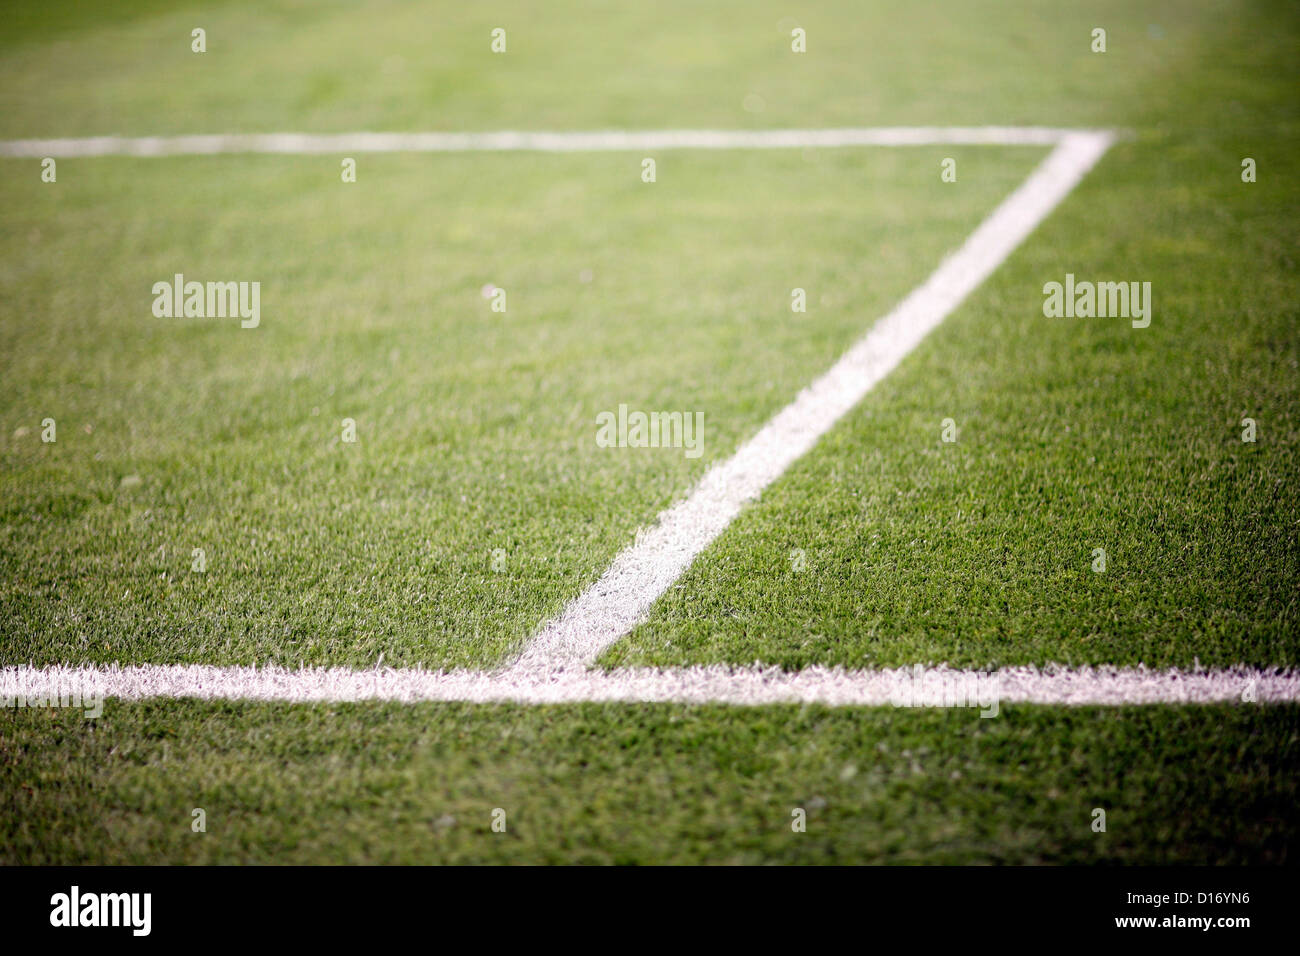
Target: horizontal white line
[(623, 595), (744, 686), (204, 145)]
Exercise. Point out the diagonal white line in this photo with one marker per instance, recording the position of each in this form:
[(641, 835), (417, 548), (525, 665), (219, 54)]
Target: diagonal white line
[(549, 142), (742, 686), (622, 596)]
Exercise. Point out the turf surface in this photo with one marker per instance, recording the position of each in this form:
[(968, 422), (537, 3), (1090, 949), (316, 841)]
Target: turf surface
[(651, 784), (475, 429), (68, 69)]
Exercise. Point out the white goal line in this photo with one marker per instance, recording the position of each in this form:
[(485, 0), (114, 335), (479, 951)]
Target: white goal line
[(545, 142), (920, 687)]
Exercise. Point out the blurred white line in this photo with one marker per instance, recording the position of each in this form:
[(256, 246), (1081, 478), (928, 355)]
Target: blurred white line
[(623, 595), (743, 686), (344, 143)]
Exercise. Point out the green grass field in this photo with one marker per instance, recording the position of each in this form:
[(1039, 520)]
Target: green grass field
[(476, 428), (653, 784)]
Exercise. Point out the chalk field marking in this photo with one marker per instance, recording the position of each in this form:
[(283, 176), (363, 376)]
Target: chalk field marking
[(623, 595), (534, 141), (743, 686), (554, 666)]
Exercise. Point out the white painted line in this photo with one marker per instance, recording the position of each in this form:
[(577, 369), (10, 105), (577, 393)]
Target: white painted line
[(344, 143), (745, 686), (623, 595)]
